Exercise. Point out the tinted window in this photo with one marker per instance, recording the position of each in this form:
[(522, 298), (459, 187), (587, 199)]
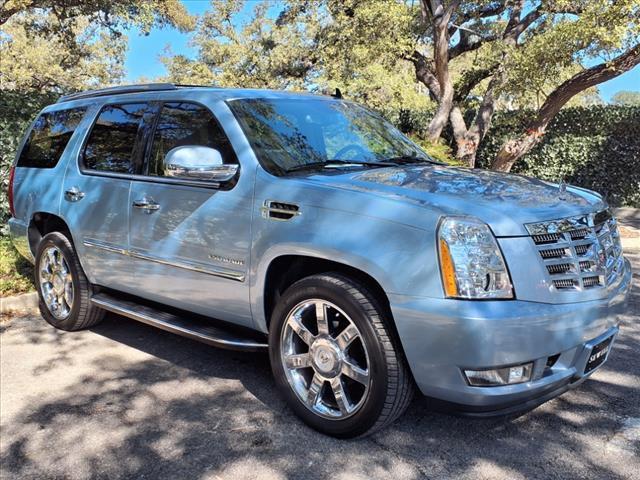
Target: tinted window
[(186, 124), (49, 137), (112, 143), (289, 133)]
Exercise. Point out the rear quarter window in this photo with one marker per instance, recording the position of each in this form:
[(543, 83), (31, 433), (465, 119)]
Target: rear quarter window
[(49, 137)]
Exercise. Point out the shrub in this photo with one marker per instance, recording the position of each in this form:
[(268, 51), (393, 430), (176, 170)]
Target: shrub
[(594, 147)]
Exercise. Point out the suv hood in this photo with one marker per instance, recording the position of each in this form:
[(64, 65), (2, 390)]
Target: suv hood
[(504, 201)]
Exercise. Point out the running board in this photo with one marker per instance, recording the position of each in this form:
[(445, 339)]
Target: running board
[(196, 329)]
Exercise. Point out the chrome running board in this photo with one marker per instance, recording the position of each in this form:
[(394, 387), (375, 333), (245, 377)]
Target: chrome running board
[(196, 329)]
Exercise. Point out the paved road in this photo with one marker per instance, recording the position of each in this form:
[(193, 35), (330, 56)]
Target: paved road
[(126, 400)]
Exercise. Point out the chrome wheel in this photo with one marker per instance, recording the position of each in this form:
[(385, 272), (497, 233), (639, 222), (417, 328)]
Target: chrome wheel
[(325, 359), (56, 283)]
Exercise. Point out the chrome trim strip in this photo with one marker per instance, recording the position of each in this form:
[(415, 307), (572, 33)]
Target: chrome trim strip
[(109, 247), (186, 265), (193, 266)]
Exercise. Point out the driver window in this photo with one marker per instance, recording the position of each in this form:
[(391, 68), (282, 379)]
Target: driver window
[(186, 124)]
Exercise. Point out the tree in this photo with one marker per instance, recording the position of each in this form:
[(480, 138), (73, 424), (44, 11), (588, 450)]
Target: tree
[(626, 97), (465, 56), (515, 148), (513, 41), (109, 14), (65, 45), (39, 62), (319, 45)]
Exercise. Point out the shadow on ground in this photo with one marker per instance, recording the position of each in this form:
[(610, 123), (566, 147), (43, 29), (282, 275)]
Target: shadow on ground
[(126, 400)]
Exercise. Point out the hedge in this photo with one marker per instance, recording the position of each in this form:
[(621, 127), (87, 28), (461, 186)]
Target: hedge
[(594, 147)]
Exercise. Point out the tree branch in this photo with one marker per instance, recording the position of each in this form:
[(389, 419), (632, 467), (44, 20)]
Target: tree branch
[(469, 42), (514, 149), (469, 80), (425, 75)]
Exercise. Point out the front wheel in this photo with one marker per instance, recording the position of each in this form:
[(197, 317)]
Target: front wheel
[(335, 358)]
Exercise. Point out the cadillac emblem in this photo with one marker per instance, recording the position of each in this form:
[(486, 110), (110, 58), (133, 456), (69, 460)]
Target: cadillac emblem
[(562, 190)]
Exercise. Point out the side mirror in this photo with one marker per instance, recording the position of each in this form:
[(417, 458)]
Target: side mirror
[(195, 162)]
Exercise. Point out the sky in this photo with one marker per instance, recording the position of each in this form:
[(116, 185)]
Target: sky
[(144, 51)]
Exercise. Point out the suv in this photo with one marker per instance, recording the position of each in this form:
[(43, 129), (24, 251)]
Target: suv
[(310, 227)]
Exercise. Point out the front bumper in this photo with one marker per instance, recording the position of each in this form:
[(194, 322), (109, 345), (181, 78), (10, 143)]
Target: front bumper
[(441, 337)]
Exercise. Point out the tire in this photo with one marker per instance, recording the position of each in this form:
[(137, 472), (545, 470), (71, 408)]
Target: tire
[(72, 309), (340, 391)]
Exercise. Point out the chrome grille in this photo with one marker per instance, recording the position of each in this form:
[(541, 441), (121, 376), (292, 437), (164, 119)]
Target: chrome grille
[(582, 252)]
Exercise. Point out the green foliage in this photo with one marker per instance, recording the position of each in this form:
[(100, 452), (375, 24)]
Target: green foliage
[(38, 58), (596, 147), (16, 273), (70, 45), (626, 97), (439, 151), (17, 111)]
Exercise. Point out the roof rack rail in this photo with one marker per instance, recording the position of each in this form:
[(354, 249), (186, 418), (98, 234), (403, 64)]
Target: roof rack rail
[(139, 88)]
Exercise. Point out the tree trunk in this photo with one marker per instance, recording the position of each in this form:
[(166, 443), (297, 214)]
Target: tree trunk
[(468, 145), (441, 17), (513, 149)]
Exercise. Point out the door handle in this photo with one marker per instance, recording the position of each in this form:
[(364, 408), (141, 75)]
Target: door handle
[(146, 204), (73, 194)]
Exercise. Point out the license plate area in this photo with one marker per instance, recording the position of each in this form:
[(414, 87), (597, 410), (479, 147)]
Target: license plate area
[(598, 355)]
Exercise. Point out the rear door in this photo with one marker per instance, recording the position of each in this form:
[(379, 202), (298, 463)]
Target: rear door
[(190, 241), (96, 188)]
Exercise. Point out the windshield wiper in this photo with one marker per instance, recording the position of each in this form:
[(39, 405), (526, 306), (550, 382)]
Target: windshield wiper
[(411, 159), (329, 163)]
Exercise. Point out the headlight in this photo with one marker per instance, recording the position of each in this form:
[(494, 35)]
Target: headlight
[(470, 260)]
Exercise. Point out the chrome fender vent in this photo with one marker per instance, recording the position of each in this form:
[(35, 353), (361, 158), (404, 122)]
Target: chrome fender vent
[(280, 210)]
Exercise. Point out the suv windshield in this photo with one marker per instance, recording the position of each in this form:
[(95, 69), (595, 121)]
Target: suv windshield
[(289, 134)]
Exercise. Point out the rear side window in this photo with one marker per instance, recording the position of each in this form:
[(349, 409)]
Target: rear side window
[(112, 143), (186, 124), (49, 137)]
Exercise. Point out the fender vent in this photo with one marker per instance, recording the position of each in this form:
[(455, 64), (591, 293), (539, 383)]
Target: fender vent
[(280, 210)]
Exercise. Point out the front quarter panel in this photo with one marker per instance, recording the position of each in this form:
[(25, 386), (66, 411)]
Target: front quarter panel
[(401, 258)]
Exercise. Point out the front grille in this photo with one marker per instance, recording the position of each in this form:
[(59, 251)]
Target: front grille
[(581, 252)]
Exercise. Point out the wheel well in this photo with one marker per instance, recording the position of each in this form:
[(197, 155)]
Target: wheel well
[(286, 270), (42, 223)]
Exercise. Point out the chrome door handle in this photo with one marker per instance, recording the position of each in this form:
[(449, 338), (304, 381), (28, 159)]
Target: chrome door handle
[(146, 204), (73, 194)]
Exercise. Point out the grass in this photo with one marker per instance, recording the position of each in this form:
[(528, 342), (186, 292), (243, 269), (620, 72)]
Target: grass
[(16, 273)]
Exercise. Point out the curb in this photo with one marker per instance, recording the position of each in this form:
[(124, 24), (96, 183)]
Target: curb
[(26, 301)]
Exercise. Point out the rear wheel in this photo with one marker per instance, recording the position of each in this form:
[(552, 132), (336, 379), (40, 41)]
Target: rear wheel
[(335, 358), (63, 289)]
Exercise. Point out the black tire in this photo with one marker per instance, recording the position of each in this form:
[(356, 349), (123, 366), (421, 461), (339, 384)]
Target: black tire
[(391, 388), (82, 313)]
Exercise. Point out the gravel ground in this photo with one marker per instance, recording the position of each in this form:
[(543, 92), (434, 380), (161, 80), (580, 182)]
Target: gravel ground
[(126, 400)]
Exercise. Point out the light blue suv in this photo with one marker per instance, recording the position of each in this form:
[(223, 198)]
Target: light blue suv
[(310, 227)]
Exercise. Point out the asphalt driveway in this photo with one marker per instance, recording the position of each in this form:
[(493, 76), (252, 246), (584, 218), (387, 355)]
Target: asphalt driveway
[(127, 400)]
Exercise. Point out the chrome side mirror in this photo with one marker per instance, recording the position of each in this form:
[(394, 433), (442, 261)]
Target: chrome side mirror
[(196, 162)]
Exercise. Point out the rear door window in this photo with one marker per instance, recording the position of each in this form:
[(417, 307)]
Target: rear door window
[(184, 123), (115, 139), (49, 137)]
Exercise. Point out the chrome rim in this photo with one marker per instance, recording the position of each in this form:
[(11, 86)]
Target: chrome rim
[(325, 359), (56, 284)]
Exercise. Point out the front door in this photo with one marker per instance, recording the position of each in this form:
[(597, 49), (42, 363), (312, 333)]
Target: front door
[(189, 242)]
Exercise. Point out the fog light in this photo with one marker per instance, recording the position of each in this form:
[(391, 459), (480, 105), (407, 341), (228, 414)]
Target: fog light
[(500, 376)]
